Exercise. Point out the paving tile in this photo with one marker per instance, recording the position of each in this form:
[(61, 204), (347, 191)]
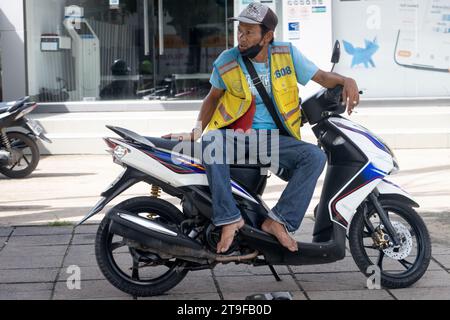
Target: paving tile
[(94, 273), (81, 255), (29, 275), (257, 283), (3, 241), (25, 287), (438, 249), (86, 273), (123, 260), (44, 230), (89, 290), (422, 294), (200, 273), (31, 295), (347, 264), (388, 264), (350, 295), (304, 238), (246, 270), (81, 260), (26, 291), (87, 229), (81, 249), (83, 239), (107, 299), (194, 284), (444, 260), (304, 234), (5, 232), (187, 296), (40, 240), (296, 295), (35, 251), (30, 262), (433, 279), (393, 265), (332, 281)]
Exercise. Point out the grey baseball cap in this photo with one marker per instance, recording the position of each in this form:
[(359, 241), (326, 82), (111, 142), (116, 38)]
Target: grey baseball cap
[(257, 13)]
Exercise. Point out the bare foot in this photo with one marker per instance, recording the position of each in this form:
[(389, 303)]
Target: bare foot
[(227, 235), (279, 231)]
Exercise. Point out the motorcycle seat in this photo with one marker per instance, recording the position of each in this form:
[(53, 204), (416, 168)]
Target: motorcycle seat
[(12, 106), (247, 175), (4, 107), (192, 149)]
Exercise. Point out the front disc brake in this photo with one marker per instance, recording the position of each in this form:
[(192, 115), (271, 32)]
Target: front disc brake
[(406, 243)]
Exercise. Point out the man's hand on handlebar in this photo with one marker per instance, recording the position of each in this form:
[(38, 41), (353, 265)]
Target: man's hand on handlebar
[(350, 94)]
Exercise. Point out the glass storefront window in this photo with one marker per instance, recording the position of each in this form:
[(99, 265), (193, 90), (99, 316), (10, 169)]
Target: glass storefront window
[(1, 78), (90, 50)]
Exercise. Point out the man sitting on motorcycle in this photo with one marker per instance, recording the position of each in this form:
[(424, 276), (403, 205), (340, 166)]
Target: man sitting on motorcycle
[(280, 66)]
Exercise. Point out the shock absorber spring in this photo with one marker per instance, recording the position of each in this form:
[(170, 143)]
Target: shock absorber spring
[(5, 140), (156, 191)]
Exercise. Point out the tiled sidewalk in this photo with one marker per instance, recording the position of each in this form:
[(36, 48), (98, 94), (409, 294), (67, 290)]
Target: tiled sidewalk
[(34, 261)]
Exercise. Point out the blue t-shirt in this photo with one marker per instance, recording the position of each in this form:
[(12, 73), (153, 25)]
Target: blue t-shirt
[(304, 68)]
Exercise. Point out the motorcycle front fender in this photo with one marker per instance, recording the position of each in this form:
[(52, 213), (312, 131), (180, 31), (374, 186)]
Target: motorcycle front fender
[(390, 190)]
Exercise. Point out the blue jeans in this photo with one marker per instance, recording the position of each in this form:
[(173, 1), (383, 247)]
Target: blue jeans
[(303, 161)]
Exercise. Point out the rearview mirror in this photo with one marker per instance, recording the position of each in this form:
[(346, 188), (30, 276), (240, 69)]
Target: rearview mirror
[(336, 52)]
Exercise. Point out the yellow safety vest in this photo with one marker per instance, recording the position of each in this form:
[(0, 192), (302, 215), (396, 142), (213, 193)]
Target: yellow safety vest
[(237, 97)]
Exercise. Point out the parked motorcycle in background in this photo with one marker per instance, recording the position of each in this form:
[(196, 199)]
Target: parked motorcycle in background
[(19, 152)]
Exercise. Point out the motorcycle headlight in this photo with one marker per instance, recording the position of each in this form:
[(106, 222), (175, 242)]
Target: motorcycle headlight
[(396, 166), (394, 159)]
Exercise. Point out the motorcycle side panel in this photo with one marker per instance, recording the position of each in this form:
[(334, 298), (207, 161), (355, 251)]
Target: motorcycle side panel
[(375, 150), (172, 169), (342, 206)]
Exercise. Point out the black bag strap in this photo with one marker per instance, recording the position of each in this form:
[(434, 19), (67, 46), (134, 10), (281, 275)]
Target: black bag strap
[(264, 96)]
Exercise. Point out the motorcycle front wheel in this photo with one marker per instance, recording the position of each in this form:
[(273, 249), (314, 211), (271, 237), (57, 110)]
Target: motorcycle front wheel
[(27, 160), (401, 266)]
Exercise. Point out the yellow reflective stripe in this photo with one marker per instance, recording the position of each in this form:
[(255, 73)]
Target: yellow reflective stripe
[(280, 49), (240, 108), (286, 116), (296, 121), (228, 67), (223, 112)]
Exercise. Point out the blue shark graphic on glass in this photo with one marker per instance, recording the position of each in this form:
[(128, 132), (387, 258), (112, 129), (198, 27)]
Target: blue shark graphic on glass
[(362, 55)]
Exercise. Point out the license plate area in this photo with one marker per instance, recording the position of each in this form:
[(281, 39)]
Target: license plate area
[(34, 127)]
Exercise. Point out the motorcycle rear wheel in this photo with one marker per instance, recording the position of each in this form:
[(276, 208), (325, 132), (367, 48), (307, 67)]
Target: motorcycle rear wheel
[(31, 156), (136, 283)]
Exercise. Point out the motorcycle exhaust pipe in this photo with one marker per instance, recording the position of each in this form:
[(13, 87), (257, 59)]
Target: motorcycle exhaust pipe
[(165, 240), (159, 239)]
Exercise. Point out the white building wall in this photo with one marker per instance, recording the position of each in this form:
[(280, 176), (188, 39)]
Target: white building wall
[(12, 44)]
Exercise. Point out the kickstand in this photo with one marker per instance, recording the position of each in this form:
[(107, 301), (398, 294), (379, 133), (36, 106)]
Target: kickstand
[(135, 272), (274, 272)]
